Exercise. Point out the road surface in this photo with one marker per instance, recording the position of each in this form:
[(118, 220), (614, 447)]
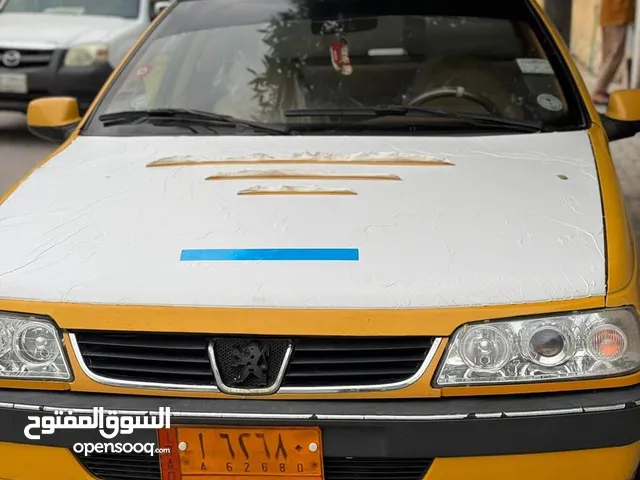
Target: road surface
[(19, 150)]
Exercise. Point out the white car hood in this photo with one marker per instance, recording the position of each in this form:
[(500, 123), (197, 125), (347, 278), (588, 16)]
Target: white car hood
[(40, 30), (516, 218)]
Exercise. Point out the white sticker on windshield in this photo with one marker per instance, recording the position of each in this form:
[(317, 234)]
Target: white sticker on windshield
[(141, 101), (550, 102), (538, 66), (65, 10)]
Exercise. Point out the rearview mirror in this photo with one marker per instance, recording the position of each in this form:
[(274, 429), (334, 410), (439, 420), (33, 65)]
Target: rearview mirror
[(622, 119), (53, 118), (158, 7)]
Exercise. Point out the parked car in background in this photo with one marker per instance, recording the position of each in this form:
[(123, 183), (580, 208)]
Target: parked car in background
[(65, 47)]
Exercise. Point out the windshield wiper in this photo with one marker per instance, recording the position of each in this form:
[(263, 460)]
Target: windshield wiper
[(183, 116), (476, 120)]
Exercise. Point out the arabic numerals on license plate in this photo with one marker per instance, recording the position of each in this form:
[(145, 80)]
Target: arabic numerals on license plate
[(276, 458), (251, 452)]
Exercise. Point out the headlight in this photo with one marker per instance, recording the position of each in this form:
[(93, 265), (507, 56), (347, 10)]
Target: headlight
[(30, 348), (563, 347), (85, 55)]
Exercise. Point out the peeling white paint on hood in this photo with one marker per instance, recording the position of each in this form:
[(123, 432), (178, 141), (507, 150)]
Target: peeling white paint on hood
[(500, 225), (300, 174), (293, 190), (367, 157)]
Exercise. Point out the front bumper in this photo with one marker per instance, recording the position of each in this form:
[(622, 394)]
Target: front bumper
[(595, 433), (27, 462), (54, 79)]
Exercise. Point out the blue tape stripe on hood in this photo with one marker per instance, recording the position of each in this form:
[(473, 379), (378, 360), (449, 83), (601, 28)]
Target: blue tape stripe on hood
[(281, 254)]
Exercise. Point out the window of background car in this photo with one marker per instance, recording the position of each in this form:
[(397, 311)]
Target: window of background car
[(112, 8), (255, 60)]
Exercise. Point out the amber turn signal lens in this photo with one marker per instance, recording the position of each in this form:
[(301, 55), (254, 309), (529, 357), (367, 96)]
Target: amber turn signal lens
[(607, 343)]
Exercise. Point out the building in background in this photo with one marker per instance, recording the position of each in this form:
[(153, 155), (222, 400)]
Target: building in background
[(585, 40)]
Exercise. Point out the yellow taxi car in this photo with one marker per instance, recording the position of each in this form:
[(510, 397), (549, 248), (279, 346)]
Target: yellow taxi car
[(325, 240)]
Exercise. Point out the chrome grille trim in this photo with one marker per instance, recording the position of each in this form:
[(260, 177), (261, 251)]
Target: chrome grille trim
[(538, 413), (607, 408), (283, 390), (336, 417), (29, 57), (489, 415)]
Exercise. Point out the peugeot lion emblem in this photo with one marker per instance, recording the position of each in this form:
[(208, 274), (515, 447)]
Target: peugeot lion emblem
[(11, 58), (250, 361), (245, 366)]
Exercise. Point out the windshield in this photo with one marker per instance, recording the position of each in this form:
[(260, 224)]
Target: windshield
[(286, 62), (112, 8)]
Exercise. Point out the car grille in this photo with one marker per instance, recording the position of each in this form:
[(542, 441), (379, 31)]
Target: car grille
[(145, 467), (316, 361), (29, 58), (130, 466), (375, 469)]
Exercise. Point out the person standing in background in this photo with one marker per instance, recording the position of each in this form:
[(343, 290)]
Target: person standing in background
[(615, 18)]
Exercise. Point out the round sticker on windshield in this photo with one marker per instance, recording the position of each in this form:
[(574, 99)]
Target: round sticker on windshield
[(550, 102), (143, 71), (141, 101)]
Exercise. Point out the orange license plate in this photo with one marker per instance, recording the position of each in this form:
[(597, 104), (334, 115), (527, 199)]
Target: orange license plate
[(229, 452)]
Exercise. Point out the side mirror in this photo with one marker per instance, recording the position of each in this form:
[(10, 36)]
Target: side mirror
[(622, 119), (158, 7), (53, 118)]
